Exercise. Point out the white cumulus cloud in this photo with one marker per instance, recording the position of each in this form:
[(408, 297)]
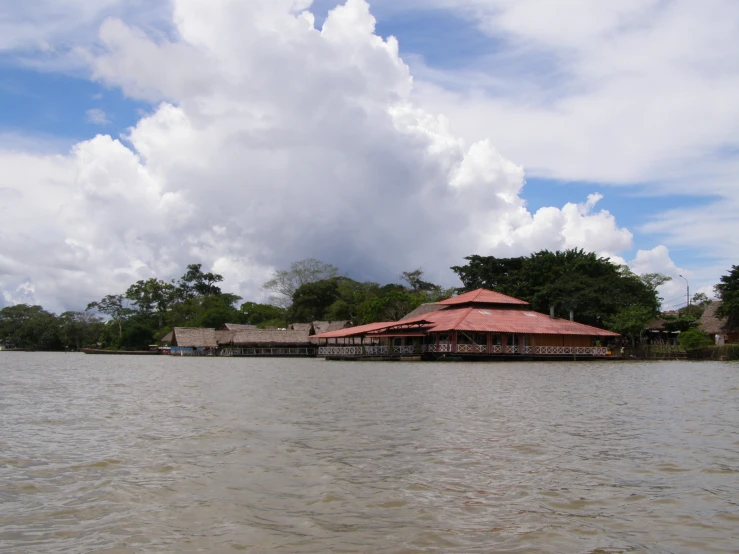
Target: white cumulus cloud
[(271, 141)]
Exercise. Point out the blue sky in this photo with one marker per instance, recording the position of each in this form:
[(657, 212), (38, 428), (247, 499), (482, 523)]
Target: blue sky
[(584, 103), (56, 105)]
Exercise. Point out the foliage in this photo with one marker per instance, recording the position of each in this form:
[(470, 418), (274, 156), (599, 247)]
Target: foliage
[(263, 315), (728, 291), (631, 321), (196, 283), (286, 282), (153, 296), (112, 305), (694, 340), (79, 329), (681, 323), (32, 327), (341, 298), (593, 287)]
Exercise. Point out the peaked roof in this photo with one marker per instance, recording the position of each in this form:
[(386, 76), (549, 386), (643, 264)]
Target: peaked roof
[(501, 320), (482, 296), (358, 330), (711, 323), (269, 336), (194, 337)]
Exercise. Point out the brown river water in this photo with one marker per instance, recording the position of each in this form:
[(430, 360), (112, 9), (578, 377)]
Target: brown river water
[(160, 454)]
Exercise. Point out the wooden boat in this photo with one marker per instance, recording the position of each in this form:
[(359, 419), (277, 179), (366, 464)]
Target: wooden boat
[(120, 352)]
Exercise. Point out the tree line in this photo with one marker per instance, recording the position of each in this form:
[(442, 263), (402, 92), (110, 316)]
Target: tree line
[(596, 291)]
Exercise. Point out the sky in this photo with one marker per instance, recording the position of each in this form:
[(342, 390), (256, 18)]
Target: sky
[(139, 136)]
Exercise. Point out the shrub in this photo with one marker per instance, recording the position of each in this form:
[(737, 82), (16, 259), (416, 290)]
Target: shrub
[(694, 340)]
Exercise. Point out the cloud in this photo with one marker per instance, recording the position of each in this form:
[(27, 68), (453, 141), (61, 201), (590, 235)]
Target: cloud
[(271, 141), (97, 116)]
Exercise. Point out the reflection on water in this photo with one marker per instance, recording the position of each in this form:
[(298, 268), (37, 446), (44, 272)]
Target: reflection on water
[(129, 454)]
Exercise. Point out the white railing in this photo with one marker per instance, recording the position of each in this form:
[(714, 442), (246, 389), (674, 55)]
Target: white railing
[(357, 351), (377, 350), (403, 350), (237, 352), (571, 350), (340, 351), (472, 348), (436, 348)]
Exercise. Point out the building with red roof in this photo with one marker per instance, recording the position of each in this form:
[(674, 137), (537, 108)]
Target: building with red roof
[(477, 324)]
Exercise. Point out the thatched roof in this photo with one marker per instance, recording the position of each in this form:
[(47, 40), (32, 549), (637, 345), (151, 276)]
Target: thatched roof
[(194, 337), (166, 338), (224, 336), (424, 309), (236, 327), (327, 326), (712, 324), (307, 327), (657, 325), (256, 337)]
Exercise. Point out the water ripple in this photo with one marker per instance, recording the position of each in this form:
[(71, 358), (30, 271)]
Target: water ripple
[(118, 454)]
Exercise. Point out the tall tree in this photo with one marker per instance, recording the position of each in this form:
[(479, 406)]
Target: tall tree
[(592, 287), (79, 328), (197, 283), (113, 306), (24, 326), (285, 282), (728, 291), (152, 296)]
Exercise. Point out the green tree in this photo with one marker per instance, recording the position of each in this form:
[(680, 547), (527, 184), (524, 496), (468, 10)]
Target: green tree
[(693, 340), (285, 282), (728, 291), (263, 315), (196, 283), (415, 281), (152, 297), (594, 288), (79, 328), (24, 326), (311, 301), (215, 311), (630, 322), (113, 306)]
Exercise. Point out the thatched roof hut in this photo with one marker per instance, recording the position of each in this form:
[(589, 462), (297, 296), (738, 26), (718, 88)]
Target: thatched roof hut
[(224, 336), (711, 324), (270, 337), (194, 337), (166, 339)]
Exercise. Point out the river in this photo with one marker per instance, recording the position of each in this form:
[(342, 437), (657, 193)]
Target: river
[(163, 454)]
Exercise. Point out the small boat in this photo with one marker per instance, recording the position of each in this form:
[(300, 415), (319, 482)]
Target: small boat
[(120, 352)]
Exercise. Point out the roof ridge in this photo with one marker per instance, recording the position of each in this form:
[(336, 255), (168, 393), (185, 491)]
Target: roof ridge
[(464, 316)]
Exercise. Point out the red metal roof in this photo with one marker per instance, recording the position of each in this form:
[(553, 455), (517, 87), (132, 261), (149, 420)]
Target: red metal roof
[(481, 320), (356, 331), (468, 312), (482, 296)]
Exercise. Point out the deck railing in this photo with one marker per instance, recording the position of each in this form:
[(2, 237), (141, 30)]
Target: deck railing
[(238, 352), (474, 349)]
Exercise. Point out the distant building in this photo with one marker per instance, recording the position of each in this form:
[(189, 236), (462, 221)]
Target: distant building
[(717, 327), (477, 324)]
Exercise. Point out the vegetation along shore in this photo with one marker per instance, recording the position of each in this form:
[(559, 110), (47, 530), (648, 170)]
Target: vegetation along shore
[(571, 284)]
